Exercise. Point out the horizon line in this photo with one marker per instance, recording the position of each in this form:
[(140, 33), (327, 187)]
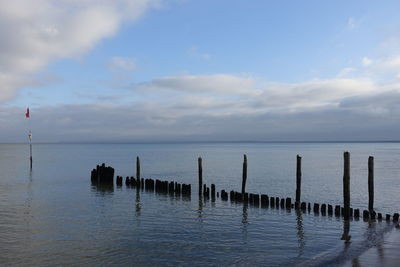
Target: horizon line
[(205, 142)]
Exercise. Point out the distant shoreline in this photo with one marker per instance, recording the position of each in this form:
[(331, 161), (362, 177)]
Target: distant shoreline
[(210, 142)]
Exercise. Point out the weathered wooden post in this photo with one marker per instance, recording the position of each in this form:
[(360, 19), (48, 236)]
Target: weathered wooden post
[(337, 210), (298, 180), (356, 213), (244, 174), (323, 209), (138, 170), (330, 209), (257, 200), (346, 186), (282, 203), (366, 215), (264, 200), (371, 183), (316, 208), (288, 203), (200, 164)]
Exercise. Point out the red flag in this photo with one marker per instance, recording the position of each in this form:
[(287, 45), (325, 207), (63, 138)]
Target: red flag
[(27, 113)]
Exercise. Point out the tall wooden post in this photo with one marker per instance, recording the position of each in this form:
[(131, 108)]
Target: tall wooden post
[(137, 168), (298, 180), (346, 186), (371, 183), (244, 174), (200, 164)]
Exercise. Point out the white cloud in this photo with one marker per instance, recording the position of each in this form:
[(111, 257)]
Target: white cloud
[(39, 32), (366, 61), (121, 64), (346, 71), (391, 63), (195, 52), (249, 91), (351, 23)]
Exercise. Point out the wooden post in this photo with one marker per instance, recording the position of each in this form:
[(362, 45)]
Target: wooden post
[(272, 202), (323, 209), (264, 199), (346, 186), (200, 164), (316, 207), (288, 203), (330, 209), (257, 200), (337, 210), (298, 179), (356, 213), (137, 168), (244, 174), (366, 215), (371, 183)]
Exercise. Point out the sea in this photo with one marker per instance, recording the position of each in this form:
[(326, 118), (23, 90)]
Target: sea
[(53, 215)]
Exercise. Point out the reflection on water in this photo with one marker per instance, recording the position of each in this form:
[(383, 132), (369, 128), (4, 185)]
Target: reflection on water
[(103, 188), (201, 205), (245, 215), (138, 205), (346, 230), (300, 231), (48, 217)]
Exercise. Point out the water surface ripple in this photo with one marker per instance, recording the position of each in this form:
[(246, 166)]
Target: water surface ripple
[(53, 215)]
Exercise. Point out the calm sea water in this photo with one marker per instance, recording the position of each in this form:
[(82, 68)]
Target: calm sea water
[(54, 216)]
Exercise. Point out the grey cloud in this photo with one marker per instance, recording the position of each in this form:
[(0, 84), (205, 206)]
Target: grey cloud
[(149, 122)]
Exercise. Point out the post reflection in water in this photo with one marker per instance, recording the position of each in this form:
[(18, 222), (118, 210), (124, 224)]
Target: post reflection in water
[(245, 214), (300, 231), (201, 204), (30, 174), (381, 253), (137, 203), (355, 262), (372, 235), (245, 222), (346, 230), (103, 188)]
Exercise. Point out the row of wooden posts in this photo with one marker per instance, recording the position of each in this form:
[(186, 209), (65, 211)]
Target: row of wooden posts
[(346, 211), (105, 174), (156, 185)]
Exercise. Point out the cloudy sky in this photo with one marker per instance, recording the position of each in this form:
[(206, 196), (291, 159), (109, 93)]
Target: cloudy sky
[(199, 70)]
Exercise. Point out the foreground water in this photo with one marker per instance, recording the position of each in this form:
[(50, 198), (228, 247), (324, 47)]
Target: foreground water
[(53, 215)]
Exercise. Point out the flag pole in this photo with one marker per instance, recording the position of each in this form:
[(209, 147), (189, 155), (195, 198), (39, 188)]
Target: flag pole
[(28, 116), (30, 147)]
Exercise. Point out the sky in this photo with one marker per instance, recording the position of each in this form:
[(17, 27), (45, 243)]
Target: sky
[(199, 70)]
